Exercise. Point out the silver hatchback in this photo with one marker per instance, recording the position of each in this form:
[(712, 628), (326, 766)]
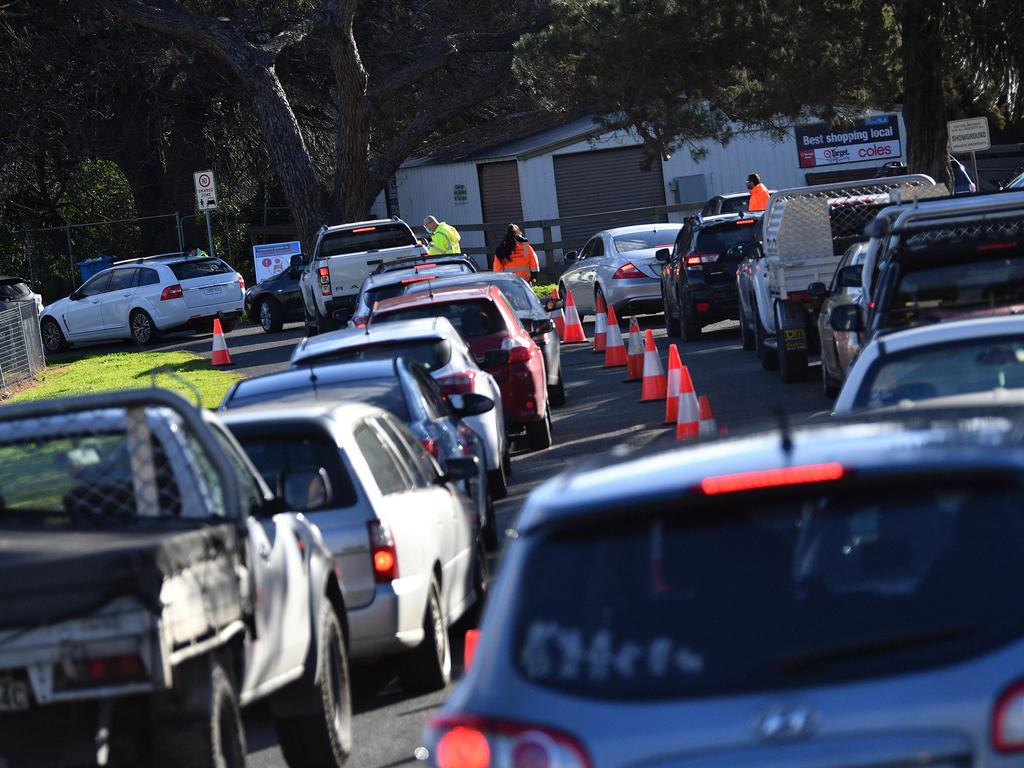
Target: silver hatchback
[(841, 595)]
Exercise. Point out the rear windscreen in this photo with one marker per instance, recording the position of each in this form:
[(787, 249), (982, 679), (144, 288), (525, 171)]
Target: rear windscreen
[(431, 353), (14, 291), (193, 268), (384, 394), (472, 319), (736, 597), (640, 241), (735, 204), (373, 295), (721, 239), (372, 238)]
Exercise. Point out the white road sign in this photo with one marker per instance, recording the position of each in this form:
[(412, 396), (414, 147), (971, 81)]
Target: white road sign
[(969, 135), (206, 190)]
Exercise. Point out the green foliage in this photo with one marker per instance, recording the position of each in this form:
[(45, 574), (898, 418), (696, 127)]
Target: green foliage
[(543, 291)]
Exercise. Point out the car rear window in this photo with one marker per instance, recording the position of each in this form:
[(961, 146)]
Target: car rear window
[(639, 241), (194, 268), (431, 353), (720, 239), (369, 238), (774, 592), (735, 204), (281, 452), (373, 295), (384, 394), (14, 290), (472, 319), (947, 370)]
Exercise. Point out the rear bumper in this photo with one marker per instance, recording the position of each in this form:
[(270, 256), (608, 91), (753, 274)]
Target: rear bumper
[(723, 303), (392, 623), (634, 297), (203, 322)]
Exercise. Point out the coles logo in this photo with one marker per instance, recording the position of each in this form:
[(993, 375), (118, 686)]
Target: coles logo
[(878, 150)]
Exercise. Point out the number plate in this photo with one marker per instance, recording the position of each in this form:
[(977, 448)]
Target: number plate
[(213, 290), (13, 694)]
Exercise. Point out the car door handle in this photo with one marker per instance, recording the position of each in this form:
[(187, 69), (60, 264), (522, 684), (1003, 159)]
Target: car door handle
[(126, 295), (96, 301)]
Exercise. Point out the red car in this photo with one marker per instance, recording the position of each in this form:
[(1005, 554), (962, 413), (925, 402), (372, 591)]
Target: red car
[(501, 345)]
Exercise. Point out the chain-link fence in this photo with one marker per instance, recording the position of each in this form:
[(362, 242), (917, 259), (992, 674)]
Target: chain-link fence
[(21, 349)]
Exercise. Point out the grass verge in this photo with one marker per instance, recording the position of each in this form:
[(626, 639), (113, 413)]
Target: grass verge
[(73, 374)]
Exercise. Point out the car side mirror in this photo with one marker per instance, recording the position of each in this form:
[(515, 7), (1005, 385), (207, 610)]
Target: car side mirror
[(495, 358), (304, 489), (817, 290), (298, 261), (540, 327), (847, 319), (571, 257), (470, 404), (553, 305), (663, 255), (850, 277), (460, 468)]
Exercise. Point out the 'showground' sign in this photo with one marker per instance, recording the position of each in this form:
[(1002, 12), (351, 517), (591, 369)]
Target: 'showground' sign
[(874, 138), (969, 135)]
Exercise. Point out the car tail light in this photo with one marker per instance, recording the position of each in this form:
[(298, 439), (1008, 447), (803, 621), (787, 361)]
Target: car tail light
[(325, 281), (1008, 720), (432, 447), (696, 259), (420, 279), (703, 306), (517, 351), (627, 272), (171, 292), (477, 743), (469, 648), (359, 321), (360, 230), (986, 247), (107, 670), (772, 478), (385, 555), (241, 283), (745, 221), (457, 383)]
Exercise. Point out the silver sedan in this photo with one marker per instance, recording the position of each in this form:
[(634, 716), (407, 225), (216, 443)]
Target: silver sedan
[(619, 264)]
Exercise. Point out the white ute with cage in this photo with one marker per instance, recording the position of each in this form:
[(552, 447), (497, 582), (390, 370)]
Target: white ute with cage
[(805, 232), (151, 585)]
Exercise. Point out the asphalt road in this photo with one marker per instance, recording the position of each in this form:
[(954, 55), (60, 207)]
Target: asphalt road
[(601, 412)]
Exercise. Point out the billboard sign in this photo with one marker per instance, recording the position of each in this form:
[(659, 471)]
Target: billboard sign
[(273, 258), (875, 138)]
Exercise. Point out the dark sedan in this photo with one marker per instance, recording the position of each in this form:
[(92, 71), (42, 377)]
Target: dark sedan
[(277, 300)]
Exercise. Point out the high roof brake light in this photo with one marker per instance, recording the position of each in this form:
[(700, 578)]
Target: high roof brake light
[(772, 478)]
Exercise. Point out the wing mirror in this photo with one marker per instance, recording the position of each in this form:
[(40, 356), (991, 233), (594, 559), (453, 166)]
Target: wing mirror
[(470, 404), (495, 358), (298, 261), (847, 319), (461, 468), (553, 305), (540, 327), (850, 277), (570, 257), (663, 255)]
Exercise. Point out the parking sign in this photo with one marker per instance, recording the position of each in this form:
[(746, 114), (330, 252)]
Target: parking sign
[(206, 190)]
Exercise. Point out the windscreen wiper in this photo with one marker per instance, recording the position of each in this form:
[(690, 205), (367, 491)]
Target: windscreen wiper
[(828, 656)]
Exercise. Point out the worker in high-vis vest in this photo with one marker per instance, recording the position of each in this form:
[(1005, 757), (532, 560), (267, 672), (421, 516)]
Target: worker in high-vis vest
[(758, 193), (444, 238), (515, 254)]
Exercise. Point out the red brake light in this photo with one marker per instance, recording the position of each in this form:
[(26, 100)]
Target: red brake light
[(358, 230), (359, 321), (385, 555), (463, 747), (325, 281), (469, 742), (1008, 720), (457, 383), (772, 478), (745, 221), (469, 652), (996, 247), (696, 259), (517, 353), (432, 447), (241, 283), (627, 272), (424, 278), (171, 292), (424, 266)]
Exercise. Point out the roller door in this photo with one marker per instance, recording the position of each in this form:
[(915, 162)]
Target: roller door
[(499, 197), (605, 180)]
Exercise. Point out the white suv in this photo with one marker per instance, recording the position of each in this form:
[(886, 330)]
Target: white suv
[(143, 298)]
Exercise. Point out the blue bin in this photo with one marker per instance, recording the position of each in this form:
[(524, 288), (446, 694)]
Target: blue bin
[(91, 267)]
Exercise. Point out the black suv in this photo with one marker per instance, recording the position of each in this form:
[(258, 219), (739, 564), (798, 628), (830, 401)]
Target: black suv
[(698, 279)]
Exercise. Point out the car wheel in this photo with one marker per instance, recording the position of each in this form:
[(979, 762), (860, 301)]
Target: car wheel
[(429, 667), (53, 336), (746, 335), (270, 315), (768, 357), (671, 324), (141, 326), (828, 388), (598, 293), (325, 324), (490, 532), (324, 736), (556, 392), (538, 433), (497, 482), (690, 327)]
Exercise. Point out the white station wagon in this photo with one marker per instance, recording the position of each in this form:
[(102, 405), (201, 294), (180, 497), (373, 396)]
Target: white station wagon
[(143, 298)]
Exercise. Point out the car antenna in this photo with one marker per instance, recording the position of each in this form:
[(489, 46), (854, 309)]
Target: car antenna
[(785, 431), (313, 380)]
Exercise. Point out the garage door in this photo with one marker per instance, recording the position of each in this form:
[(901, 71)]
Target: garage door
[(605, 180), (499, 197)]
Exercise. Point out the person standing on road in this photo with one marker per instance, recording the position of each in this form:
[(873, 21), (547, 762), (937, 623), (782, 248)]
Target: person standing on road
[(515, 254), (444, 238), (758, 193)]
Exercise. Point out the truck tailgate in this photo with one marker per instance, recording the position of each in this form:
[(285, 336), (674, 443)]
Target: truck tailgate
[(349, 270)]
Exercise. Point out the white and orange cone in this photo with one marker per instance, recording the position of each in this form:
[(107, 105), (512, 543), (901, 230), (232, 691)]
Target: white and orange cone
[(559, 317), (675, 367), (708, 425), (573, 333), (615, 349), (688, 418), (635, 352), (600, 324), (220, 356), (654, 375)]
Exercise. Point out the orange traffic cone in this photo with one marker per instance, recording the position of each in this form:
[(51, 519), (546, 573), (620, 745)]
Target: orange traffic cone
[(615, 349), (600, 324), (675, 366), (635, 353), (654, 374), (573, 327), (688, 418), (708, 425), (560, 317), (221, 356)]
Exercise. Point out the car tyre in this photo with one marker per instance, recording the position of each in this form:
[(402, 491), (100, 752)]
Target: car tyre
[(828, 387), (490, 531), (691, 329), (141, 325), (768, 357), (324, 736), (497, 482), (53, 336), (671, 324), (556, 392), (429, 667), (270, 316), (746, 334), (538, 433)]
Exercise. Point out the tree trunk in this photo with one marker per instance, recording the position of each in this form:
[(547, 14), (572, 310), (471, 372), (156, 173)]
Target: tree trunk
[(924, 100), (352, 141)]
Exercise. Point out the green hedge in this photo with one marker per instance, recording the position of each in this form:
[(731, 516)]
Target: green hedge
[(543, 291)]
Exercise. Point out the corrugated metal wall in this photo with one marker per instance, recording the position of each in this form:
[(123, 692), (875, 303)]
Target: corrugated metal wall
[(606, 180), (499, 196)]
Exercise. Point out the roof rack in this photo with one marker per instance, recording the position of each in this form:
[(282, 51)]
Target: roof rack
[(141, 259)]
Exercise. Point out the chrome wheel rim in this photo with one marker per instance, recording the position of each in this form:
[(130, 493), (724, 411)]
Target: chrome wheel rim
[(51, 336), (265, 315), (140, 328)]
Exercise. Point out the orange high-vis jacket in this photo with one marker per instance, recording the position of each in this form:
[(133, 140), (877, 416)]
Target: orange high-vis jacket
[(523, 261), (758, 198)]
